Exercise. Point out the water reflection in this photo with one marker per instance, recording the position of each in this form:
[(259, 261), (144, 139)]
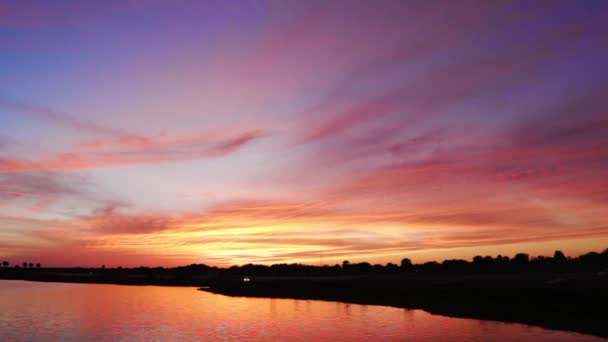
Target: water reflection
[(52, 311)]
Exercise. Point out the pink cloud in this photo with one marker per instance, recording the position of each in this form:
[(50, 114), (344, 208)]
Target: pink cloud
[(143, 151)]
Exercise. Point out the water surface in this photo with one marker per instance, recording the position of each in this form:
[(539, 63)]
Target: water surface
[(31, 311)]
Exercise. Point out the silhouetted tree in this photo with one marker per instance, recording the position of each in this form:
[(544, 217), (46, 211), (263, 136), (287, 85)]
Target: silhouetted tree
[(521, 259), (431, 266), (38, 265), (362, 267), (391, 268), (502, 258), (5, 263), (24, 264), (454, 265), (559, 256), (501, 263), (406, 265), (31, 265), (591, 260)]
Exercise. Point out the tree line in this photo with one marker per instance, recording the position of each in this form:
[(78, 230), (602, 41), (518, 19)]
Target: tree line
[(6, 264), (520, 263)]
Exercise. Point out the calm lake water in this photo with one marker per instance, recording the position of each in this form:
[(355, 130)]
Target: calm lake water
[(32, 311)]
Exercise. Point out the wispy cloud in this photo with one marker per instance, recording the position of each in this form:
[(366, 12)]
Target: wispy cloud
[(134, 152)]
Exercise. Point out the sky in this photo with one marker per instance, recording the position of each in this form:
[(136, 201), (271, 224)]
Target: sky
[(164, 133)]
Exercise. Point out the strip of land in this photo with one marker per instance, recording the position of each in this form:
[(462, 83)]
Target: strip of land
[(560, 301)]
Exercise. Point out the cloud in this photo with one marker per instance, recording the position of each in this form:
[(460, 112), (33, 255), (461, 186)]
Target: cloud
[(345, 120), (147, 151), (127, 141), (39, 190), (232, 144), (56, 117), (128, 224), (40, 184), (265, 231)]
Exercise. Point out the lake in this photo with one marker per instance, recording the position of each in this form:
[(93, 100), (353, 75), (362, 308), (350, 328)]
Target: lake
[(31, 311)]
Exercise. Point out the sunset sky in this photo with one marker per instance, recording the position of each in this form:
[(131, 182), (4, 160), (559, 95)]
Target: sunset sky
[(165, 133)]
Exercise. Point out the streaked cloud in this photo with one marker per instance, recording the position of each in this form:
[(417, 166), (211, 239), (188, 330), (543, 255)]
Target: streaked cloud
[(133, 151)]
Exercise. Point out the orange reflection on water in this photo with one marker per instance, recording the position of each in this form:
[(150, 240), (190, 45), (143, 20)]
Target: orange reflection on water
[(55, 311)]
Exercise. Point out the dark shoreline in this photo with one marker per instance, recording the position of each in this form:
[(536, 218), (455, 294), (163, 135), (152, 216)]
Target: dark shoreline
[(575, 303)]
